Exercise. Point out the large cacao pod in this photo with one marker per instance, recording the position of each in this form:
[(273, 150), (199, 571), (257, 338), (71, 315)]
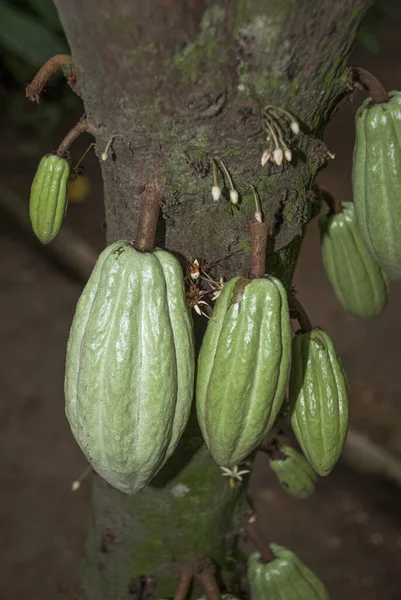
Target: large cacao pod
[(318, 395), (48, 200), (283, 578), (293, 471), (243, 367), (130, 365), (376, 180), (358, 282)]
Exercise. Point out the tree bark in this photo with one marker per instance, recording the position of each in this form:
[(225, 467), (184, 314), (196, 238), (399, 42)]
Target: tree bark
[(179, 82)]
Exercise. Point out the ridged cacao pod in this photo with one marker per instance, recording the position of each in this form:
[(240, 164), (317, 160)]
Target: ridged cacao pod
[(376, 180), (243, 367), (318, 395), (48, 200), (358, 282), (130, 365), (284, 578), (294, 473)]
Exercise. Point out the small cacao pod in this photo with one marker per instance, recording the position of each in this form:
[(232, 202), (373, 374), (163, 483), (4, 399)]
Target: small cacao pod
[(358, 282), (294, 473), (283, 578), (243, 367), (376, 178), (78, 189), (318, 396), (48, 200), (130, 365)]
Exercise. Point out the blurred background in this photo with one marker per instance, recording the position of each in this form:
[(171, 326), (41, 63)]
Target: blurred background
[(349, 531)]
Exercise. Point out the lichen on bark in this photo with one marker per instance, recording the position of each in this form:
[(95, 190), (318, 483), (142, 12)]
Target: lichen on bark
[(179, 82)]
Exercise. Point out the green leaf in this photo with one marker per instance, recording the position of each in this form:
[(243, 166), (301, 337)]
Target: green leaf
[(48, 13), (26, 37)]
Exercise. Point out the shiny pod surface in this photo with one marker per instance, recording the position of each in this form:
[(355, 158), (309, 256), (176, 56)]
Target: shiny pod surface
[(130, 365), (318, 395), (283, 578), (376, 180), (243, 367), (48, 200), (293, 471), (358, 282)]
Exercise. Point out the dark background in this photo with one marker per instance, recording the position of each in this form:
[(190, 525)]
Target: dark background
[(349, 531)]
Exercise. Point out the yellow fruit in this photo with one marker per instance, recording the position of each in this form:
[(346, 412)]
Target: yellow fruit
[(78, 189)]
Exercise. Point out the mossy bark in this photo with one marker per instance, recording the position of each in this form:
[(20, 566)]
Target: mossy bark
[(178, 82)]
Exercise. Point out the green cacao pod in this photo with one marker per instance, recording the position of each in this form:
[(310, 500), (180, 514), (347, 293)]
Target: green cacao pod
[(283, 578), (130, 365), (48, 200), (294, 473), (243, 367), (318, 395), (376, 180), (358, 282)]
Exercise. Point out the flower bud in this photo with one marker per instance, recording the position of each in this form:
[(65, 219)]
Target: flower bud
[(234, 196), (278, 156), (265, 157), (295, 127), (216, 192), (288, 154)]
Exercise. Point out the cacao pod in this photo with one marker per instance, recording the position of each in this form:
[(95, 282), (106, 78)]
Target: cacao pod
[(358, 282), (294, 473), (48, 200), (130, 365), (243, 367), (283, 578), (376, 178), (318, 395)]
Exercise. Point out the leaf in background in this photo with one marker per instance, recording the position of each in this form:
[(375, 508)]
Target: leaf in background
[(373, 26), (48, 13), (26, 37)]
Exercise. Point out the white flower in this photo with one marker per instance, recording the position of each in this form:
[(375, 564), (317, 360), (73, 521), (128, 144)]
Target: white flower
[(295, 127), (265, 157), (216, 192), (278, 156), (75, 486), (198, 310), (234, 196), (259, 216), (288, 154), (234, 474)]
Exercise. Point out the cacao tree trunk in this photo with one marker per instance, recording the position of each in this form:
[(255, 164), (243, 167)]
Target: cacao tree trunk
[(179, 82)]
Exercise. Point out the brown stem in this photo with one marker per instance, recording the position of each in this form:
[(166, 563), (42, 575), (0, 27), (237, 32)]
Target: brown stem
[(205, 575), (148, 217), (330, 200), (183, 584), (266, 555), (259, 233), (371, 84), (71, 136), (35, 88), (302, 317)]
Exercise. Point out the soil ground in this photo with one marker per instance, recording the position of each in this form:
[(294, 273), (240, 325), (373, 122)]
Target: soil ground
[(349, 531)]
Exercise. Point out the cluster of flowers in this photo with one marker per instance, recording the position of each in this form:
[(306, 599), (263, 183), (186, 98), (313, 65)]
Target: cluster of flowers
[(277, 122)]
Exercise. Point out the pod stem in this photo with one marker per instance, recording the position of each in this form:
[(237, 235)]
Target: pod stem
[(148, 218), (204, 573), (259, 235), (302, 317), (371, 84), (183, 584), (252, 533), (35, 88), (71, 136), (330, 200)]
